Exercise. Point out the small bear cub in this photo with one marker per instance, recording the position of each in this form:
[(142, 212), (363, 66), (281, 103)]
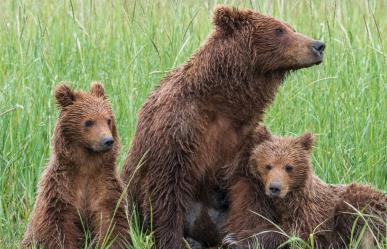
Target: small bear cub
[(306, 206), (80, 189)]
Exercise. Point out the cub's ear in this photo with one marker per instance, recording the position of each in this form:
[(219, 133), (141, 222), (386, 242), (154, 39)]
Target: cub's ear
[(64, 95), (261, 134), (306, 141), (228, 19), (98, 90)]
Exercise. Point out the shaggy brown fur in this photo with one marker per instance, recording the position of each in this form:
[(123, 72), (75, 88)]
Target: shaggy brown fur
[(198, 117), (364, 199), (80, 186), (247, 199), (281, 178)]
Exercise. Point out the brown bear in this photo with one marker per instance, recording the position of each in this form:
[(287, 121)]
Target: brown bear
[(80, 187), (280, 176), (199, 116)]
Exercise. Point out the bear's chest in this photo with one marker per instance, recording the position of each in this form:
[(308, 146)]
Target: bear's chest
[(223, 139), (86, 190)]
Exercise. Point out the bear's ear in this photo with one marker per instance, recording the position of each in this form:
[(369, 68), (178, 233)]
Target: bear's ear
[(261, 134), (306, 141), (64, 95), (97, 90), (229, 19)]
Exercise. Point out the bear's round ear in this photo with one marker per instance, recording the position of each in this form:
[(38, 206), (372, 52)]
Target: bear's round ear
[(261, 134), (97, 90), (306, 141), (64, 95), (228, 19)]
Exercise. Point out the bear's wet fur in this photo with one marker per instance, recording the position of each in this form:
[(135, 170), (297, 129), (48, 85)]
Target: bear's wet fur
[(201, 113), (281, 179), (80, 186)]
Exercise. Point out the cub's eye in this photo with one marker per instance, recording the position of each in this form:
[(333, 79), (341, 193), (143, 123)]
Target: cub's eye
[(268, 167), (109, 121), (288, 168), (89, 123), (279, 30)]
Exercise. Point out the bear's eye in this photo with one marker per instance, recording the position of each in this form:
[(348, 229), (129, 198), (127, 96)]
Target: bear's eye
[(89, 123), (109, 121), (279, 30), (268, 167), (288, 168)]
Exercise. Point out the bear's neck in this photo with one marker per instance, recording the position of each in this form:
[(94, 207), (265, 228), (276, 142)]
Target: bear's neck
[(224, 77)]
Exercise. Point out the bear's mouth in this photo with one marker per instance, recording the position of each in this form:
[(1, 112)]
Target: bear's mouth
[(311, 60), (301, 66), (92, 150), (320, 60)]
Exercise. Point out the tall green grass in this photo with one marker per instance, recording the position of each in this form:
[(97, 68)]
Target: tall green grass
[(130, 45)]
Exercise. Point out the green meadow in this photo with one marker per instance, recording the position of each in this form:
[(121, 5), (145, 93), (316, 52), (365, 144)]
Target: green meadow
[(130, 45)]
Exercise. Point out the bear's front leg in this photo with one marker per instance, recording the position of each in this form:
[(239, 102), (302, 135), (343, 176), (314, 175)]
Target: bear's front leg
[(54, 225), (68, 230), (111, 226), (165, 205)]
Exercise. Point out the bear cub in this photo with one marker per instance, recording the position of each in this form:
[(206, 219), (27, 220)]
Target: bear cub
[(304, 204), (80, 188)]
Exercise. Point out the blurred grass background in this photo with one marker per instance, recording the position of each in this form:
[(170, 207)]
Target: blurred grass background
[(130, 45)]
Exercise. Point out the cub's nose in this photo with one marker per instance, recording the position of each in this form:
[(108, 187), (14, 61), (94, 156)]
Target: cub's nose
[(107, 142), (318, 47), (275, 189)]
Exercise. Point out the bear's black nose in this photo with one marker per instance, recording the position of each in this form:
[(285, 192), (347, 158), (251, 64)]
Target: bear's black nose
[(107, 142), (318, 47), (275, 188)]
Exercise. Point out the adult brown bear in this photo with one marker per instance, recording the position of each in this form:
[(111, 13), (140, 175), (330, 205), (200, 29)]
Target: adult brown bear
[(199, 116)]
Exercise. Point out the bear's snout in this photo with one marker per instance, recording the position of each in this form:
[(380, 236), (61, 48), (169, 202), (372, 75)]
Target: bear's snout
[(274, 189), (106, 142), (318, 48)]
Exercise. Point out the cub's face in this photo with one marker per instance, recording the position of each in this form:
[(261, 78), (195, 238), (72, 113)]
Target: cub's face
[(86, 119), (273, 44), (282, 163)]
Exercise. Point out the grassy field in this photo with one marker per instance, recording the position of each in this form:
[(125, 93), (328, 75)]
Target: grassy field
[(130, 45)]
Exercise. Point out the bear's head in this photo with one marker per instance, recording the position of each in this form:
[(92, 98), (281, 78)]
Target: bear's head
[(86, 120), (268, 44), (281, 163)]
